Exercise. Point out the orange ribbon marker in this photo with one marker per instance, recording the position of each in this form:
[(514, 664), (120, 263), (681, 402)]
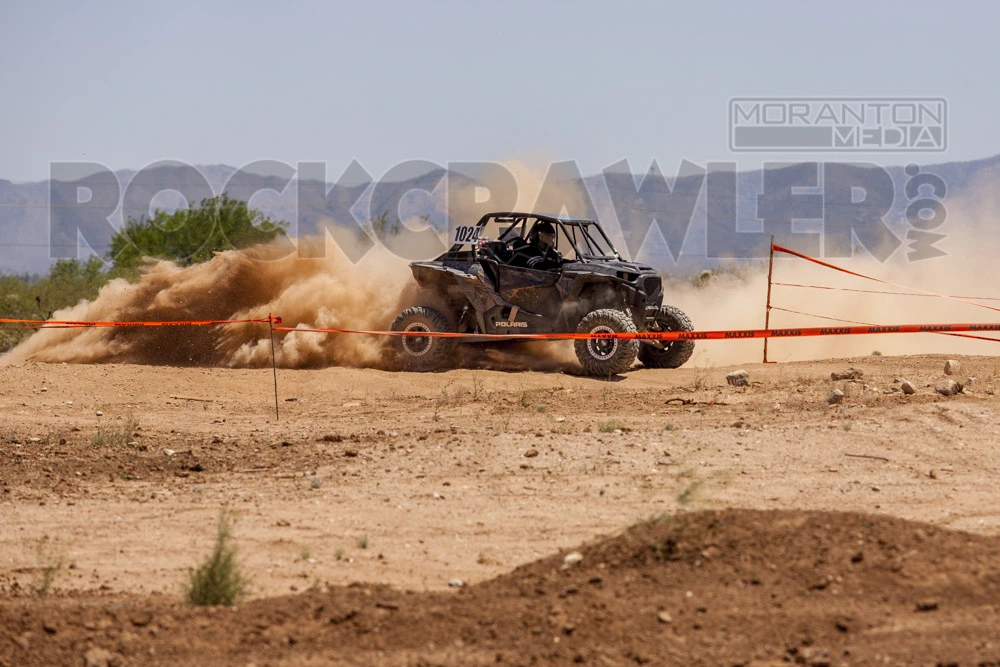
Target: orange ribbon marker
[(725, 334)]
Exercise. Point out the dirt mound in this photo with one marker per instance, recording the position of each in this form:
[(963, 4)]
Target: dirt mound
[(738, 587)]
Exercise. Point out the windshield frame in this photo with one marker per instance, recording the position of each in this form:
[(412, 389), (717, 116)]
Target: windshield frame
[(589, 242)]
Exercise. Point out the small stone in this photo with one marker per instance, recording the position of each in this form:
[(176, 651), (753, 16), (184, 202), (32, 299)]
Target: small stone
[(99, 413), (350, 453), (456, 583), (141, 619), (531, 453), (908, 387), (927, 605), (952, 367), (169, 452), (571, 559), (836, 398), (664, 617), (849, 374), (98, 657), (948, 388), (969, 381), (738, 378)]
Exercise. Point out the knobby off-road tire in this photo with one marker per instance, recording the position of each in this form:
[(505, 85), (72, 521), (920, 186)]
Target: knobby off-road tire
[(421, 353), (606, 357), (674, 352)]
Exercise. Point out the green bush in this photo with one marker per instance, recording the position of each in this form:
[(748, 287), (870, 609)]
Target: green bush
[(219, 580)]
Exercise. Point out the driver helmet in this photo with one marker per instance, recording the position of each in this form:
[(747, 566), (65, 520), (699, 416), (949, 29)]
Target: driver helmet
[(543, 228)]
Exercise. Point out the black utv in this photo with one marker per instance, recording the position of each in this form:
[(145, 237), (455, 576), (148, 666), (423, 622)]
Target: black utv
[(527, 273)]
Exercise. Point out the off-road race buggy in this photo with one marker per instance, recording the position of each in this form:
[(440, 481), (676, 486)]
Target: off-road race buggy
[(475, 288)]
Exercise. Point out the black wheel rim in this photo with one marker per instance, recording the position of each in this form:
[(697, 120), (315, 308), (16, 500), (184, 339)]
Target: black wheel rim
[(417, 346), (602, 348)]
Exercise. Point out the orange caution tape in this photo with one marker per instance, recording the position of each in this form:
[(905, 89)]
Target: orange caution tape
[(779, 248), (71, 324), (837, 319), (680, 335), (875, 291)]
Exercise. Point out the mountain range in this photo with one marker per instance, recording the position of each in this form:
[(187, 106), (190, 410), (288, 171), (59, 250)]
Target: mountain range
[(699, 219)]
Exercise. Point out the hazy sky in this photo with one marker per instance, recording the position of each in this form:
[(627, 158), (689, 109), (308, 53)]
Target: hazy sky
[(129, 83)]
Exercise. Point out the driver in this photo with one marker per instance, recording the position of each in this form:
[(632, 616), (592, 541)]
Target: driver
[(539, 252)]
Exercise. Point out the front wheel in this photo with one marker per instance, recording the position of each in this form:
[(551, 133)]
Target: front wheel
[(606, 356), (674, 353), (421, 353)]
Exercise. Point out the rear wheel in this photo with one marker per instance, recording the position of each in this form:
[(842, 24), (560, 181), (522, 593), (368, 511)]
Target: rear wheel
[(422, 353), (674, 353), (606, 356)]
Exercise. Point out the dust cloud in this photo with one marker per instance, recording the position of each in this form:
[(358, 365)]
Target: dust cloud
[(326, 292)]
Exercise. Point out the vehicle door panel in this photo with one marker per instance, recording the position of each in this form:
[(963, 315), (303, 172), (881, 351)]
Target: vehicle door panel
[(528, 288)]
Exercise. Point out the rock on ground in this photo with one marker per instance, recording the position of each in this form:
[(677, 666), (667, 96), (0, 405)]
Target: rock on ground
[(948, 388), (738, 378)]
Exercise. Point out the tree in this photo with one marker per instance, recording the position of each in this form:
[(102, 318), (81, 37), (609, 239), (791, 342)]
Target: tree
[(191, 235)]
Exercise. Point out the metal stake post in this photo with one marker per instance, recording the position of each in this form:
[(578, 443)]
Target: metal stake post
[(767, 311)]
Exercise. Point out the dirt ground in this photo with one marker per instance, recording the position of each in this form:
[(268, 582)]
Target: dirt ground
[(424, 519)]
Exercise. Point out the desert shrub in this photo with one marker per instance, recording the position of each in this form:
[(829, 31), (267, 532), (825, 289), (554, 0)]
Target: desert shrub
[(218, 580)]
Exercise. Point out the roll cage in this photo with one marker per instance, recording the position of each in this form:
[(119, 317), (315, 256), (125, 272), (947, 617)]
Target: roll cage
[(577, 239)]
